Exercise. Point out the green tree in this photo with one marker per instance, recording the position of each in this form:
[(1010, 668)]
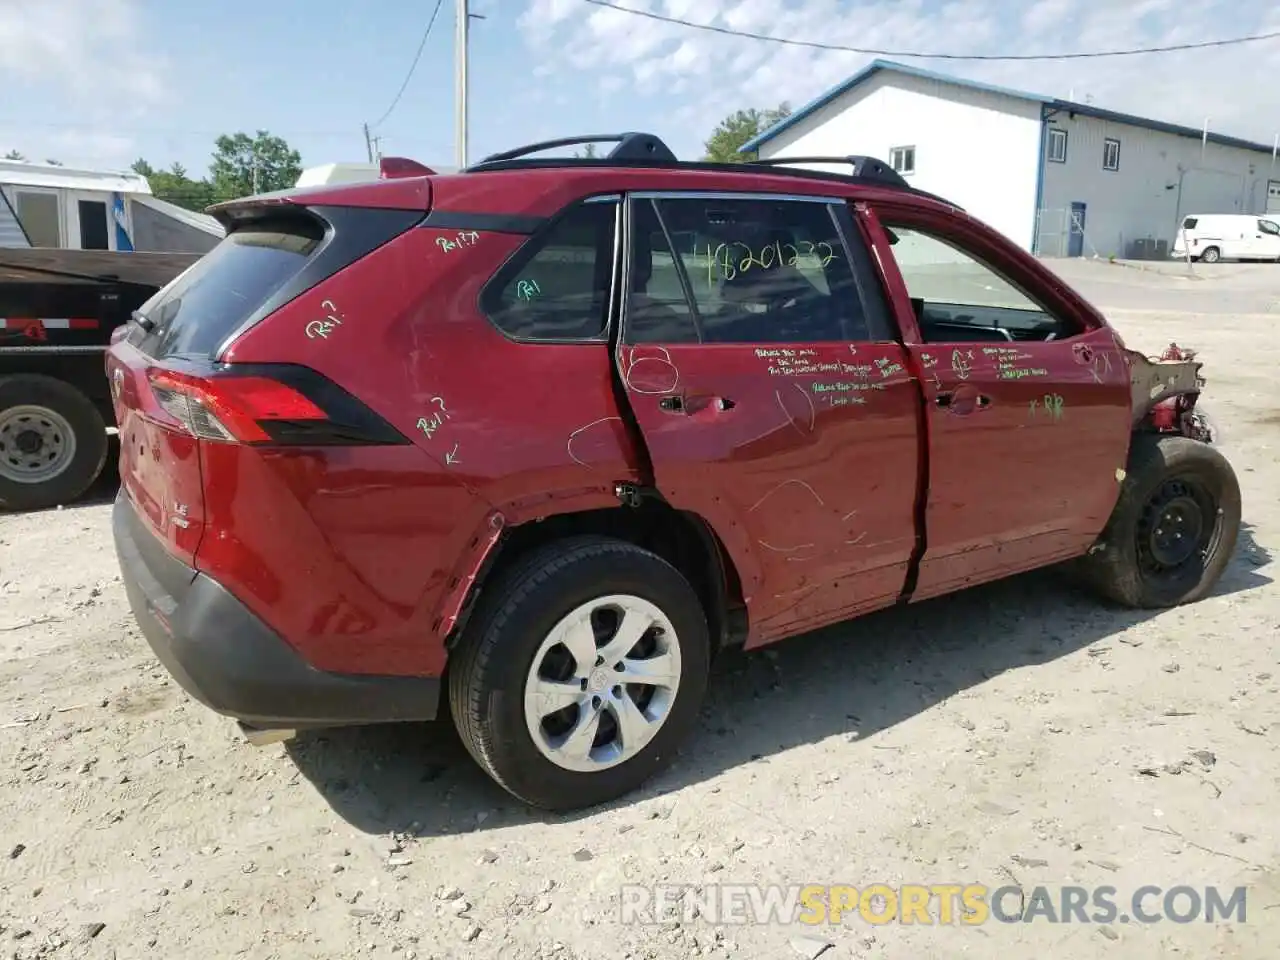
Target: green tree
[(243, 165), (14, 155), (174, 186), (587, 153), (740, 128)]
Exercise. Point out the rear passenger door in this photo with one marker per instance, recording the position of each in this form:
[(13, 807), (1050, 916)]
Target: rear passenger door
[(756, 358), (1027, 408)]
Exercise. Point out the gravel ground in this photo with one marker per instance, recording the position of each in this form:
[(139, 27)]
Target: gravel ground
[(1019, 733)]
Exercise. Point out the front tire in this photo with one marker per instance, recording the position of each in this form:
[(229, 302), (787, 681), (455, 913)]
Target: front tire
[(53, 442), (1174, 528), (583, 670)]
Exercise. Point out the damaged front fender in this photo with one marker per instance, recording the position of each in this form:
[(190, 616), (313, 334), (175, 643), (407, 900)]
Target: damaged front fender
[(1165, 390)]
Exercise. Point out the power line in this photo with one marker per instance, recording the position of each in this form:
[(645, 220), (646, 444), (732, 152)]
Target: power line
[(413, 66), (816, 45)]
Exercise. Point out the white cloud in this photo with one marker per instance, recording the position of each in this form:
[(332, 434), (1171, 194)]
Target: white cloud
[(81, 49), (707, 75), (89, 147)]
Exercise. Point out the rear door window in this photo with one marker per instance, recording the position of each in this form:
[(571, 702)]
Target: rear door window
[(205, 305), (745, 270)]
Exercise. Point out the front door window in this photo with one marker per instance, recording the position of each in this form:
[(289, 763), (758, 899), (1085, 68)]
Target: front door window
[(958, 298), (1028, 411)]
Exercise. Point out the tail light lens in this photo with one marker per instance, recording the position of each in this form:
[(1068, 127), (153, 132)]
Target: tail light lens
[(285, 405)]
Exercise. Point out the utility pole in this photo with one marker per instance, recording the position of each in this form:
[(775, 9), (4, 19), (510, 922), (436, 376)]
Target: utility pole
[(460, 79), (368, 143)]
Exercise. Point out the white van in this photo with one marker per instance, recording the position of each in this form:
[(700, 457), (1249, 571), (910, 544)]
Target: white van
[(1227, 236)]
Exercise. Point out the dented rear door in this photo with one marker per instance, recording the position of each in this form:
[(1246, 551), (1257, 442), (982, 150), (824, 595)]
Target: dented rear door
[(772, 403)]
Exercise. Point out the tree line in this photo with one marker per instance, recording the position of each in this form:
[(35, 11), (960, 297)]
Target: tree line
[(241, 165)]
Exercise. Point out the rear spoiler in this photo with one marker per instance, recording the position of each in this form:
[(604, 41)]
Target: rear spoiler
[(402, 184)]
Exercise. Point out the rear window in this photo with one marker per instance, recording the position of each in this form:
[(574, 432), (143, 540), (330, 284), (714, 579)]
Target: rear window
[(207, 303), (1189, 223)]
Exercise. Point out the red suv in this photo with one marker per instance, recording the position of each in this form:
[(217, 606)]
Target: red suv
[(541, 437)]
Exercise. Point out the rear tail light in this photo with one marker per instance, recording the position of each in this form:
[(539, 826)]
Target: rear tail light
[(276, 405)]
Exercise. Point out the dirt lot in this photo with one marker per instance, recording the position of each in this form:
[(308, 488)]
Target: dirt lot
[(1016, 734)]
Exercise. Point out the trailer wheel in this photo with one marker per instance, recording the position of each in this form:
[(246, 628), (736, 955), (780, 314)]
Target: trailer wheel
[(53, 442)]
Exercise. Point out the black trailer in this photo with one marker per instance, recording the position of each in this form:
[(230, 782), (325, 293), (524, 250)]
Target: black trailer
[(58, 309)]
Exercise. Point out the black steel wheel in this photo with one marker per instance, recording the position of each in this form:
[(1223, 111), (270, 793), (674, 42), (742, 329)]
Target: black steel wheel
[(1174, 527)]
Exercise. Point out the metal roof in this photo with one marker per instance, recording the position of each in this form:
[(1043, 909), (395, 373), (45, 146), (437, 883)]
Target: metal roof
[(19, 173), (1084, 109)]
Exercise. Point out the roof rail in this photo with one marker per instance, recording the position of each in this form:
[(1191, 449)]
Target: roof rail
[(630, 147), (866, 168)]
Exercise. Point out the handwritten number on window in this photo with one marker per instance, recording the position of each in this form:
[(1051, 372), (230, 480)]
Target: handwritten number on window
[(731, 259), (527, 290)]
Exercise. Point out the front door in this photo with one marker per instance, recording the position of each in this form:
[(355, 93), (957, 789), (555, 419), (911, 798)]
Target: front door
[(1028, 409), (1075, 230), (88, 222), (757, 362), (1265, 244)]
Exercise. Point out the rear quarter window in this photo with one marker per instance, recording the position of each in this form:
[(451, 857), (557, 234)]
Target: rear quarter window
[(206, 304), (1189, 223), (557, 286)]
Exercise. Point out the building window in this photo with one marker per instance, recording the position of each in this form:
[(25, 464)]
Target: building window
[(903, 159), (1110, 154), (1057, 145), (41, 217)]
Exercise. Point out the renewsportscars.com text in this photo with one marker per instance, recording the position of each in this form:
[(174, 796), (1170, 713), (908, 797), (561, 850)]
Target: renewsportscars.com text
[(929, 904)]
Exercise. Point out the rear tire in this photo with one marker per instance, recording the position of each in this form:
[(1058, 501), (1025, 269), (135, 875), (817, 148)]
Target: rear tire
[(53, 442), (1211, 255), (1174, 528), (518, 694)]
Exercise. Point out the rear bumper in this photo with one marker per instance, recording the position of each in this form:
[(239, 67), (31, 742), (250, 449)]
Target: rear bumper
[(232, 662)]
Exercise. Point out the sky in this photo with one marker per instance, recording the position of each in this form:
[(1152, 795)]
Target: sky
[(100, 83)]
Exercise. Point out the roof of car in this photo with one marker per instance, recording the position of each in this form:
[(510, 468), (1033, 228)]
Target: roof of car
[(632, 151)]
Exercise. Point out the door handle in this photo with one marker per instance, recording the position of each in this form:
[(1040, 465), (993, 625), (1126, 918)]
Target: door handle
[(672, 404), (946, 399)]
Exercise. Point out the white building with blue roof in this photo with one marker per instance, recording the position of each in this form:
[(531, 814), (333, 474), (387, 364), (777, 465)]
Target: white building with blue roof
[(1059, 178)]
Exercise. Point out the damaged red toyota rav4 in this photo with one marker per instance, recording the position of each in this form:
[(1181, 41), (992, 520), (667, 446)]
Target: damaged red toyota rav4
[(532, 442)]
